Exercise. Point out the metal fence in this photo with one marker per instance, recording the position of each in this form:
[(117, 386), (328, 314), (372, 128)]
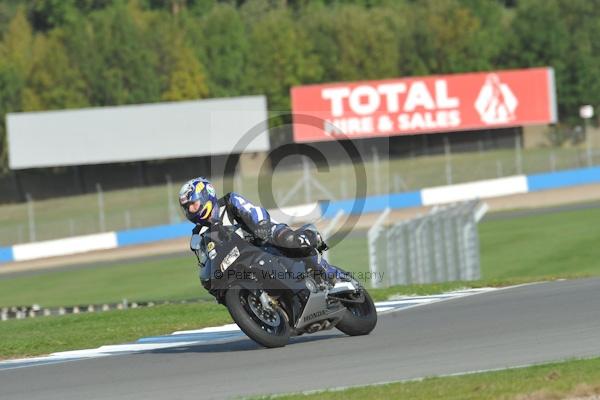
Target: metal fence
[(107, 210), (441, 246)]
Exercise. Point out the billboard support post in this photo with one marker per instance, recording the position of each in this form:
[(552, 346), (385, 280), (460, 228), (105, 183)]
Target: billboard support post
[(31, 217)]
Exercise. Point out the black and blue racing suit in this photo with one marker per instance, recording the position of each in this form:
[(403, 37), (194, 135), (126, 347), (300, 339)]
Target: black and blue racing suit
[(260, 229)]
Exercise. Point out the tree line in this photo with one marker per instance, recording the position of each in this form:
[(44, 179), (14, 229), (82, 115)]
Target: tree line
[(57, 54)]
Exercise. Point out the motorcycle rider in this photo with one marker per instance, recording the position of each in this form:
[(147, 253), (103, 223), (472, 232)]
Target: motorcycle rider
[(199, 202)]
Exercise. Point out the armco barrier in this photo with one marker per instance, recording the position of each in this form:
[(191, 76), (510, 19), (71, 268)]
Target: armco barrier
[(428, 196), (467, 191), (555, 180), (372, 204), (153, 234), (474, 190), (63, 247), (6, 254)]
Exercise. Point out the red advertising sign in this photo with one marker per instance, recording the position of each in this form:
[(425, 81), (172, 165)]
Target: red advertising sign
[(429, 104)]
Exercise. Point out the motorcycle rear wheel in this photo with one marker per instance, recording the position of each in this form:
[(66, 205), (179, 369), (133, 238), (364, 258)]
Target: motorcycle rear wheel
[(257, 327)]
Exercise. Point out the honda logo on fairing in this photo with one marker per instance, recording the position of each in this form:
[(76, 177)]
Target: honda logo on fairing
[(315, 315), (496, 103)]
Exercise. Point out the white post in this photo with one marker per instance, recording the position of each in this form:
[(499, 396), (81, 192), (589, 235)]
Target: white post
[(330, 228), (127, 219), (101, 219), (31, 217), (239, 185), (306, 180), (376, 171), (171, 210), (518, 155), (447, 151), (586, 112), (372, 236), (343, 189), (588, 140), (20, 234)]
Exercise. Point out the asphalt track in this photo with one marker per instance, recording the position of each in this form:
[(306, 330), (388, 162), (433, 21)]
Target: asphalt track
[(513, 327)]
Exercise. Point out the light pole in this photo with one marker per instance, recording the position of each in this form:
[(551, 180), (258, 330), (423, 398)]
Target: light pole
[(586, 112)]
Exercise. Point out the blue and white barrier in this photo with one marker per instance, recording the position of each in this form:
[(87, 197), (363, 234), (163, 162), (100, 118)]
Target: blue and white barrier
[(63, 247), (429, 196), (511, 185), (113, 240)]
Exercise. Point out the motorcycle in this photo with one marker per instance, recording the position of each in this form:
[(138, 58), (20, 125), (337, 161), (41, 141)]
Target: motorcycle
[(272, 297)]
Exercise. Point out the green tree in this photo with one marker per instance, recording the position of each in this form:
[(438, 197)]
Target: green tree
[(539, 37), (280, 57), (124, 70), (15, 60), (367, 43), (11, 84), (186, 79), (449, 37), (224, 45), (582, 58), (53, 82), (47, 14), (352, 43)]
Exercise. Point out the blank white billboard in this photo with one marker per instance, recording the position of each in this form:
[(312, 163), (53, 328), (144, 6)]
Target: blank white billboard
[(137, 132)]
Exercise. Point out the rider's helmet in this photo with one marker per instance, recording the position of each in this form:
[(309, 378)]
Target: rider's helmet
[(198, 199)]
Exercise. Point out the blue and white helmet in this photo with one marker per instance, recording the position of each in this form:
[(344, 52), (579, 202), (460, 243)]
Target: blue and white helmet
[(202, 191)]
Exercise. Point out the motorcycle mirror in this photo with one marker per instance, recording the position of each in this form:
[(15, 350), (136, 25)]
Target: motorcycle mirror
[(195, 242)]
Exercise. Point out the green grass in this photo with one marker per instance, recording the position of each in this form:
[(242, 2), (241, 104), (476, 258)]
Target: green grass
[(563, 244), (165, 279), (548, 246), (526, 249), (147, 206), (29, 337), (536, 247), (570, 379)]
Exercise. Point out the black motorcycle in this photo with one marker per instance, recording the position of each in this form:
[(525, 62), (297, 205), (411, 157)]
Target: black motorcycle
[(272, 297)]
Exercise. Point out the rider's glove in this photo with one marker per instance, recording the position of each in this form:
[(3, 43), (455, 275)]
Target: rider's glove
[(263, 230)]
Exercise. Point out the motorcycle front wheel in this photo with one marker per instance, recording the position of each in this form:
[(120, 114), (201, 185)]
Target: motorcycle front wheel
[(359, 318), (268, 328)]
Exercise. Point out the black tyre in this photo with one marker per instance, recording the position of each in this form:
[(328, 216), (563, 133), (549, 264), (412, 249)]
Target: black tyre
[(267, 328), (360, 318)]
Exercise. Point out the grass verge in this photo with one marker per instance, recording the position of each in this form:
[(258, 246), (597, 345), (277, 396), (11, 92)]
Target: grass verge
[(30, 337), (514, 251), (576, 379), (43, 335)]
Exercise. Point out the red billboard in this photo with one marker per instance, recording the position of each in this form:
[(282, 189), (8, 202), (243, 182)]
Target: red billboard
[(408, 106)]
